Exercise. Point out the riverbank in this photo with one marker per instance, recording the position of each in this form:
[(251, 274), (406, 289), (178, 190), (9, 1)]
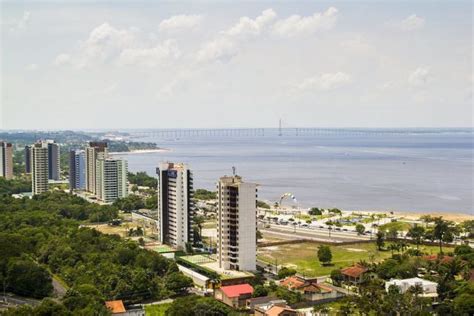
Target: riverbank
[(142, 151)]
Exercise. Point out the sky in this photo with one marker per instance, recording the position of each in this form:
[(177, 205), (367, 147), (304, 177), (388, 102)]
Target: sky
[(216, 64)]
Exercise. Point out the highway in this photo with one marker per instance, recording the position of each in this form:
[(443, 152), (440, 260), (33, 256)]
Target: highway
[(314, 234)]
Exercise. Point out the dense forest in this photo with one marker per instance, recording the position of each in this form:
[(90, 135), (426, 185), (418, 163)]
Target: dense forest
[(41, 239)]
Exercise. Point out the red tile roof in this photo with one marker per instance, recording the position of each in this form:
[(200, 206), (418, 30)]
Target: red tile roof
[(444, 259), (354, 271), (115, 306), (292, 282), (277, 310), (237, 290)]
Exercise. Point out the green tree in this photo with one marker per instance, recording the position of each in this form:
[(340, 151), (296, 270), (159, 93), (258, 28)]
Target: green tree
[(416, 233), (176, 282), (285, 272), (337, 277), (380, 239), (29, 279), (443, 231), (360, 229), (259, 291), (324, 254)]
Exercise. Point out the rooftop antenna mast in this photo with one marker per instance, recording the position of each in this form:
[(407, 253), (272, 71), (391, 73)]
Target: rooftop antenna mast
[(233, 170), (279, 128)]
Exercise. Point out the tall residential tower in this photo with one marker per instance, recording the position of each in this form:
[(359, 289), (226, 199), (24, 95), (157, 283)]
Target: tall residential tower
[(175, 205), (95, 151), (77, 171), (6, 160), (236, 224), (54, 169), (111, 179), (39, 168)]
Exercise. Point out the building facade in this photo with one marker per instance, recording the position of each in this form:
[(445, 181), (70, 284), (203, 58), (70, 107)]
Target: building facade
[(175, 205), (111, 179), (237, 224), (39, 168), (27, 159), (93, 152), (6, 160), (77, 170), (54, 167)]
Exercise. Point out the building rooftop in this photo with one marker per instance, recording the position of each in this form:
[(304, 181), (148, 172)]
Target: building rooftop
[(115, 306), (354, 271), (237, 290), (277, 310), (411, 281), (443, 259)]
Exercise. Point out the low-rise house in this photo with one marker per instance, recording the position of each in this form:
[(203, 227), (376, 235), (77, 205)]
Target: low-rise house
[(310, 288), (274, 308), (428, 288), (235, 296), (116, 307), (264, 302), (354, 274)]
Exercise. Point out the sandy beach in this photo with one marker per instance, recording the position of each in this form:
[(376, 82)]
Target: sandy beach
[(141, 151)]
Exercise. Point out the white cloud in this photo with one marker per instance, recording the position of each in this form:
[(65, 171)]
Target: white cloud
[(419, 76), (411, 23), (295, 24), (181, 21), (150, 57), (109, 45), (62, 59), (324, 82), (220, 48), (248, 27), (16, 24)]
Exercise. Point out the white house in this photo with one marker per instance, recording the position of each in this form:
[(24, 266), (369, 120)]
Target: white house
[(429, 288)]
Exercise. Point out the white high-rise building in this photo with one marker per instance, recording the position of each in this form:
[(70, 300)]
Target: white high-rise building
[(95, 151), (236, 224), (39, 168), (175, 205), (111, 179), (6, 160)]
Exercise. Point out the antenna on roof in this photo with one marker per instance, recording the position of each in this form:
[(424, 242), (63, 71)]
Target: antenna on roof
[(233, 170)]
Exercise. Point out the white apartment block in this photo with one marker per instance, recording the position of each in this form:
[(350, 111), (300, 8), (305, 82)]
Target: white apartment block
[(111, 179), (429, 288), (93, 152), (237, 224), (175, 205), (39, 168), (6, 160)]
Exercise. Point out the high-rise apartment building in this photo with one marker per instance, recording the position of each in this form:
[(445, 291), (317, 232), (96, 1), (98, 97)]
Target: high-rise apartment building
[(77, 170), (111, 179), (237, 224), (39, 168), (54, 167), (175, 205), (6, 160), (95, 151), (28, 159)]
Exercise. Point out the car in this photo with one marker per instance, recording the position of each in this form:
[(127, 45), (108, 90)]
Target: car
[(305, 225), (321, 226), (337, 228), (344, 229)]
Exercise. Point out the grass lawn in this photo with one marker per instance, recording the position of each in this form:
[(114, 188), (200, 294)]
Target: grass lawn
[(303, 256), (156, 310), (398, 225)]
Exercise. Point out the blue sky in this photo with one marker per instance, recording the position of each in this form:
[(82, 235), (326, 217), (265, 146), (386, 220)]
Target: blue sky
[(131, 64)]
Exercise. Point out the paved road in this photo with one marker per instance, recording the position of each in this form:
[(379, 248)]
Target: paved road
[(289, 232)]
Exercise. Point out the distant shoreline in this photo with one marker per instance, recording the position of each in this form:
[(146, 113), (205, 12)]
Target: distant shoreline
[(408, 215), (141, 151)]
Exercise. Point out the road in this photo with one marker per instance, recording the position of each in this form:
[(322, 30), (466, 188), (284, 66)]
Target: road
[(314, 234)]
